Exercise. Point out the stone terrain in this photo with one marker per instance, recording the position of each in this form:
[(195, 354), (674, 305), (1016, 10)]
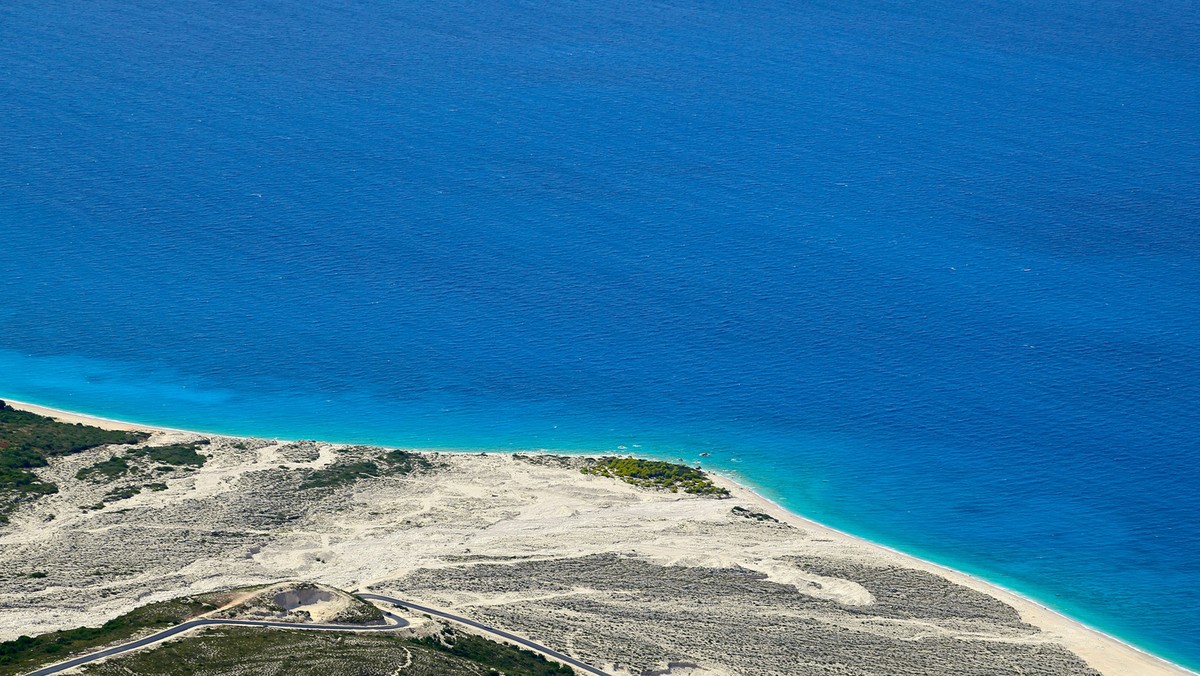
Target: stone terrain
[(633, 580)]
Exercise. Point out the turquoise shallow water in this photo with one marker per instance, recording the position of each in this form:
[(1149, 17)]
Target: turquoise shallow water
[(926, 272)]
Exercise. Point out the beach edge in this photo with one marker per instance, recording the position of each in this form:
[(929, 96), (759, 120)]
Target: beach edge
[(1104, 652)]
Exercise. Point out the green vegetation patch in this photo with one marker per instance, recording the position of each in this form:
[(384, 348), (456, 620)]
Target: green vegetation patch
[(174, 454), (105, 470), (500, 656), (346, 472), (17, 485), (24, 431), (222, 651), (403, 462), (339, 474), (28, 441), (26, 653), (225, 650), (757, 516), (656, 474), (169, 457), (122, 493)]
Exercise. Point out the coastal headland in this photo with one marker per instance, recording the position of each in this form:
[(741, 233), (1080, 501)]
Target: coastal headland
[(634, 568)]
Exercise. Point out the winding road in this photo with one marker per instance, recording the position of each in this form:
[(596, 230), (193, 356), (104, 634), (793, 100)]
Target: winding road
[(491, 630), (398, 623)]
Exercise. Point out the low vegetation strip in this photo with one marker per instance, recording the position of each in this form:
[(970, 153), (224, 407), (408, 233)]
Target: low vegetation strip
[(240, 650), (750, 514), (174, 454), (505, 658), (346, 472), (105, 470), (137, 461), (656, 474), (27, 653), (28, 441), (236, 650), (141, 463)]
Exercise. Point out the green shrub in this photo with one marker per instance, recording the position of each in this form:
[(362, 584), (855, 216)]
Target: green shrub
[(339, 474), (28, 440), (174, 454), (342, 473), (105, 470), (656, 474), (46, 437), (403, 462), (123, 493), (26, 653), (500, 656)]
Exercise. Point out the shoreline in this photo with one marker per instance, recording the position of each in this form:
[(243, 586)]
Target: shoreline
[(1104, 652)]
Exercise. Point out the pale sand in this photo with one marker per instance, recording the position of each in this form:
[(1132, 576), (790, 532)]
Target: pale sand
[(1105, 653), (72, 417), (480, 508)]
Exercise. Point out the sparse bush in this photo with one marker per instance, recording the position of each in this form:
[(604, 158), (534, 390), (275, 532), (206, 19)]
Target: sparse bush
[(757, 516), (105, 470), (28, 440), (503, 657), (173, 454), (25, 653), (123, 493), (342, 473)]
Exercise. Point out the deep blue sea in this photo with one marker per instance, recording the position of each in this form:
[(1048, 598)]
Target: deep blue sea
[(927, 271)]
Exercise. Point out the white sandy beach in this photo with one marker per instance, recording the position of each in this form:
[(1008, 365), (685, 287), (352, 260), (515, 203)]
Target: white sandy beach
[(453, 537)]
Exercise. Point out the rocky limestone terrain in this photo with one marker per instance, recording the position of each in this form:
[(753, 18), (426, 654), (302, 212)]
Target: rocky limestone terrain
[(631, 579)]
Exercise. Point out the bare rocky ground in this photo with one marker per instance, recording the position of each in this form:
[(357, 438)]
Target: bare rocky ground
[(301, 603), (637, 613), (633, 580)]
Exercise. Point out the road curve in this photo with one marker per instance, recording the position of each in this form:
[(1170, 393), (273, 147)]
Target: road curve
[(192, 624), (483, 627)]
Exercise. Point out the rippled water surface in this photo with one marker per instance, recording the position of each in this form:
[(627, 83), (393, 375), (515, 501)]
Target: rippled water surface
[(926, 271)]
